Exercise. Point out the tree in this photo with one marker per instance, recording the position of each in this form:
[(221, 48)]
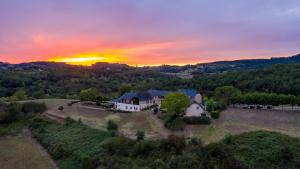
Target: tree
[(90, 94), (140, 135), (175, 104), (10, 112), (226, 94), (19, 95), (124, 88), (210, 105)]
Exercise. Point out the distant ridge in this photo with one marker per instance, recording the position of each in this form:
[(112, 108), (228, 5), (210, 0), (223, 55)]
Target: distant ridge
[(213, 67), (223, 66)]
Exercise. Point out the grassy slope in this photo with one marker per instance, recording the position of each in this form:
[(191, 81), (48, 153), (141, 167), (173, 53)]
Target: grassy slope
[(264, 149)]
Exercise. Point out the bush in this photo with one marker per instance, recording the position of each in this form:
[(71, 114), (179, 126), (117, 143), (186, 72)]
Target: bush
[(9, 112), (215, 114), (112, 126), (173, 143), (33, 107), (177, 124), (87, 162), (143, 148), (197, 120), (140, 135), (61, 108), (58, 150), (118, 145)]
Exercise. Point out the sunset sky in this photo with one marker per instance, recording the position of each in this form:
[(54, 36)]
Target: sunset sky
[(147, 32)]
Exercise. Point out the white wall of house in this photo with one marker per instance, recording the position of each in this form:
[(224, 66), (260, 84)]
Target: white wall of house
[(145, 104), (158, 101), (128, 107), (194, 110)]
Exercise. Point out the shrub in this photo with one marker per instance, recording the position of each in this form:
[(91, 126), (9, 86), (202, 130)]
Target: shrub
[(197, 120), (177, 124), (143, 148), (69, 121), (112, 126), (173, 143), (58, 150), (61, 108), (215, 114), (9, 112), (140, 135), (118, 145), (87, 162), (33, 107)]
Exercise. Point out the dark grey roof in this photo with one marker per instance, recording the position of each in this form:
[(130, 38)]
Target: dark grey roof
[(149, 94), (189, 92), (160, 93), (142, 96)]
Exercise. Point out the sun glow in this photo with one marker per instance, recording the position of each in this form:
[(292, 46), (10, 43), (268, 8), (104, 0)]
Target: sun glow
[(90, 58)]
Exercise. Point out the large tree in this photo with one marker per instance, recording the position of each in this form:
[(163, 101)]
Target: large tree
[(175, 104), (226, 94), (89, 94)]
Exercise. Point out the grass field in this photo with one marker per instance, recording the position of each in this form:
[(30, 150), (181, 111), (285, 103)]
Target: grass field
[(22, 152), (128, 123), (231, 122), (236, 121)]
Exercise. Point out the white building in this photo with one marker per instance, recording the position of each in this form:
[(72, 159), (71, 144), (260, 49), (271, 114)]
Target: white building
[(137, 101)]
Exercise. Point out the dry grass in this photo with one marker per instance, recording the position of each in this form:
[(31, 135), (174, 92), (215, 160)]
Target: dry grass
[(21, 152), (129, 123), (231, 122), (236, 121)]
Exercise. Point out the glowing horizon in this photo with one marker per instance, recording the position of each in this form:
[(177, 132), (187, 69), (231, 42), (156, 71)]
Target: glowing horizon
[(149, 32)]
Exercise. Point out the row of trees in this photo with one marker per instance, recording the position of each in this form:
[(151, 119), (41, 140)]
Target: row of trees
[(231, 95), (266, 99)]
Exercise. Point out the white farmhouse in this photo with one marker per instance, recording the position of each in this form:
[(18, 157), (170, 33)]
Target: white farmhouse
[(136, 101)]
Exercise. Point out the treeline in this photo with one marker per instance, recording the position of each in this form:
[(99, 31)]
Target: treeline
[(284, 79), (13, 115), (266, 99), (67, 81), (227, 95)]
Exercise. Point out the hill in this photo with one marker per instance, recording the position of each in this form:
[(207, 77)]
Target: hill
[(224, 66)]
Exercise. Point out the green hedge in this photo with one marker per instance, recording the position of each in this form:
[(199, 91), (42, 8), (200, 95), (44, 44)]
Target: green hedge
[(215, 114), (197, 120)]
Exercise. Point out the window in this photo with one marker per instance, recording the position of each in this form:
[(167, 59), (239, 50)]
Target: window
[(197, 107), (130, 108), (126, 107)]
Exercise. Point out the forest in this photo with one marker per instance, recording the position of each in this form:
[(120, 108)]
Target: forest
[(64, 81)]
